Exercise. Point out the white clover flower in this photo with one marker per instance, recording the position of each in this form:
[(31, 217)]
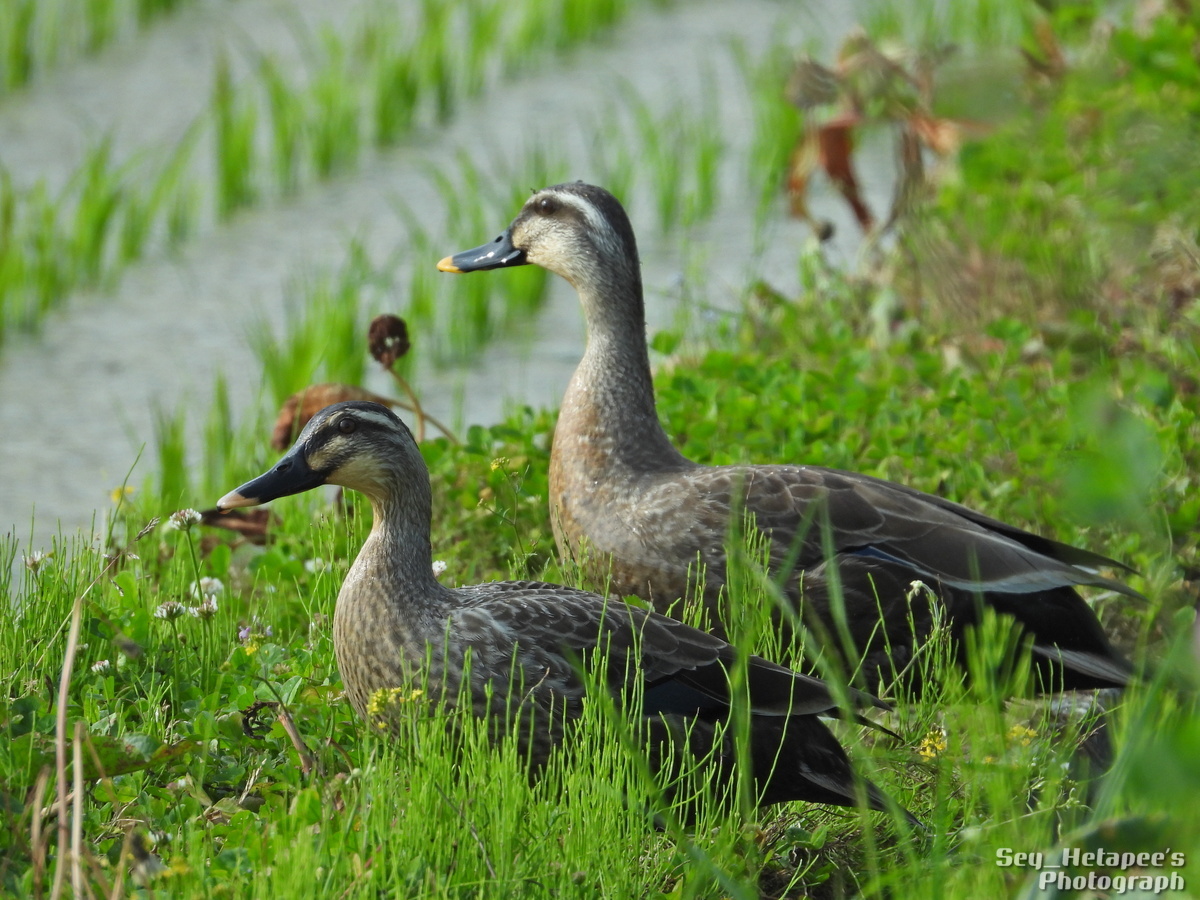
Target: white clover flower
[(183, 519), (207, 587), (315, 565), (439, 566), (170, 609), (101, 665), (34, 560), (205, 610)]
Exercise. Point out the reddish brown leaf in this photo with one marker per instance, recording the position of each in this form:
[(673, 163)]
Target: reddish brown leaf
[(249, 523), (302, 406), (942, 136), (945, 136), (835, 145)]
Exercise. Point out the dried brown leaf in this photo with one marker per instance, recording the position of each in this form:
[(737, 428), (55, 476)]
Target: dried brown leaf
[(303, 405), (249, 523), (811, 84), (803, 163), (942, 136), (835, 146)]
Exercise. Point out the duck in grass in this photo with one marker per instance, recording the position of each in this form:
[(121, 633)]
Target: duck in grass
[(397, 626), (643, 520)]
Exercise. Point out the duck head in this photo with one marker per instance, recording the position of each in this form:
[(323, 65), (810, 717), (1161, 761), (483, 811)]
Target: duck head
[(576, 230)]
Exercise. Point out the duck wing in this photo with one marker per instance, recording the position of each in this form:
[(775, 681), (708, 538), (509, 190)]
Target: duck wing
[(807, 511), (682, 669), (686, 691)]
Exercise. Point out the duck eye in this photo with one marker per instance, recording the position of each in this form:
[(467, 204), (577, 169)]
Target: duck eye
[(347, 425), (548, 205)]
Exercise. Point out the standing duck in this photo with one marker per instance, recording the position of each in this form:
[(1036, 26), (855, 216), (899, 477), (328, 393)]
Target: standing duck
[(397, 626), (644, 520)]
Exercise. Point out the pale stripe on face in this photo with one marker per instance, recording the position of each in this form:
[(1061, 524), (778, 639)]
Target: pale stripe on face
[(596, 224)]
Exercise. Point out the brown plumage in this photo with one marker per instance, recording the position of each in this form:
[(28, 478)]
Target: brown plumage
[(644, 520), (396, 625)]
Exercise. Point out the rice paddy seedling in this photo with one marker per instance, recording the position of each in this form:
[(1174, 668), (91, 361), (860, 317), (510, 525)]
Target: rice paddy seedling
[(334, 126), (487, 20), (286, 127), (383, 80), (308, 127), (234, 124), (396, 91), (173, 470), (454, 323), (97, 193), (221, 440), (38, 35), (777, 124), (102, 23), (980, 25), (183, 475), (148, 215), (81, 237), (16, 42), (323, 338), (613, 160), (148, 10), (34, 255), (681, 154), (435, 53)]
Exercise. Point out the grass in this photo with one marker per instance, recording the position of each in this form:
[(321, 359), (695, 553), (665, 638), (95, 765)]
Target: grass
[(37, 36), (226, 800), (106, 216), (680, 155), (214, 755)]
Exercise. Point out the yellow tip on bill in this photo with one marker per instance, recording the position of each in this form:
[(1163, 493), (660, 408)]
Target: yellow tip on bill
[(233, 500), (447, 265)]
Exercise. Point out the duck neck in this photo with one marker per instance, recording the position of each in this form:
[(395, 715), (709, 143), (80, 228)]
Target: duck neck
[(398, 557), (609, 406)]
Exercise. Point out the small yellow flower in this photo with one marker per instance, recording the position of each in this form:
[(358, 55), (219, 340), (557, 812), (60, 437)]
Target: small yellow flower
[(499, 462), (934, 743), (178, 867), (386, 699), (1023, 734), (122, 493)]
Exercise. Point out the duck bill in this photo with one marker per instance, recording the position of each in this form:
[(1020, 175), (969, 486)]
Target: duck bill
[(292, 475), (498, 254)]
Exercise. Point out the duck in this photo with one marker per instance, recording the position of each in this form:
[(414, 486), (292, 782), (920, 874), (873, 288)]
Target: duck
[(397, 627), (867, 567)]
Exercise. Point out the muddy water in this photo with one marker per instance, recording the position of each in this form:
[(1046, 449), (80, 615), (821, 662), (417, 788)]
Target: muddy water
[(78, 402)]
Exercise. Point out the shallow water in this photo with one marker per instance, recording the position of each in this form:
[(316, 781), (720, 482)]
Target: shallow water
[(79, 401)]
